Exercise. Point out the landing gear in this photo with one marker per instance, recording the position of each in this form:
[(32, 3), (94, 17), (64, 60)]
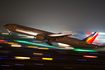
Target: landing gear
[(49, 42), (9, 32)]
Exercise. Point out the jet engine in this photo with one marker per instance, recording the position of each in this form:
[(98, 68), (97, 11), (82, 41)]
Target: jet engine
[(40, 37)]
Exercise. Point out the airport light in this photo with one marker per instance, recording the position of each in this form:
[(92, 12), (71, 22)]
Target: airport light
[(37, 44), (47, 58), (13, 45), (37, 53), (22, 58), (88, 56), (83, 50)]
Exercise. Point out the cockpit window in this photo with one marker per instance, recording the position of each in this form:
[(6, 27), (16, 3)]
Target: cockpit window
[(6, 25)]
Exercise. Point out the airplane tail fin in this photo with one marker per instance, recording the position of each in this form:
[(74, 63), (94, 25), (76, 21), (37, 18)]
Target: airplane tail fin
[(91, 38)]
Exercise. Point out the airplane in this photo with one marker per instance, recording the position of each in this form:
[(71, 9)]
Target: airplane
[(53, 37)]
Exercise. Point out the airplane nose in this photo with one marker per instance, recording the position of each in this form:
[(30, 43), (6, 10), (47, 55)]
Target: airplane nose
[(5, 25)]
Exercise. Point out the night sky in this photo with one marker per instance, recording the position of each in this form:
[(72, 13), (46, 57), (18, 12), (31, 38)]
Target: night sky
[(54, 15)]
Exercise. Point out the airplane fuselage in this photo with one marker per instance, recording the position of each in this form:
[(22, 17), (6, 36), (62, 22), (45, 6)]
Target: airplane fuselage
[(43, 35)]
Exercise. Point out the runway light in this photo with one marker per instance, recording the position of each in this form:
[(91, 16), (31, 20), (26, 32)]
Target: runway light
[(1, 41), (4, 58), (44, 48), (13, 45), (47, 58), (37, 53), (37, 44), (32, 46), (88, 56), (5, 65), (5, 33), (85, 50), (22, 58)]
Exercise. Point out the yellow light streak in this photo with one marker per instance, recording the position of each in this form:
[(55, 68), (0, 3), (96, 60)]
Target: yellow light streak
[(22, 58), (12, 43), (47, 58), (32, 46), (44, 48)]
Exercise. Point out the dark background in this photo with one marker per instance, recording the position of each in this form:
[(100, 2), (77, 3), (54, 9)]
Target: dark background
[(54, 15)]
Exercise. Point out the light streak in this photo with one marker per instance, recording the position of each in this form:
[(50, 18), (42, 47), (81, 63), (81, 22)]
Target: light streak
[(37, 44), (83, 50), (47, 58), (37, 53), (88, 56), (44, 48), (22, 58), (62, 44), (13, 45), (31, 33)]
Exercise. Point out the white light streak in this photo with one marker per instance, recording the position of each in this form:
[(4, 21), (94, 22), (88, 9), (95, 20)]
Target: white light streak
[(5, 33), (62, 44), (15, 45), (30, 33)]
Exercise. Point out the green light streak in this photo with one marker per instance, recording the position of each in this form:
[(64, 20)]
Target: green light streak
[(84, 50), (0, 46), (37, 44)]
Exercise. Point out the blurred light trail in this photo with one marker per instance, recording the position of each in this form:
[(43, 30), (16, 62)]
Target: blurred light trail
[(22, 35), (5, 65), (19, 64), (81, 59), (83, 50), (62, 44), (31, 33), (101, 33), (32, 46), (37, 53), (88, 56), (37, 44), (44, 48), (47, 58), (13, 45), (5, 33), (4, 58), (22, 58), (0, 46), (38, 64), (2, 41)]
